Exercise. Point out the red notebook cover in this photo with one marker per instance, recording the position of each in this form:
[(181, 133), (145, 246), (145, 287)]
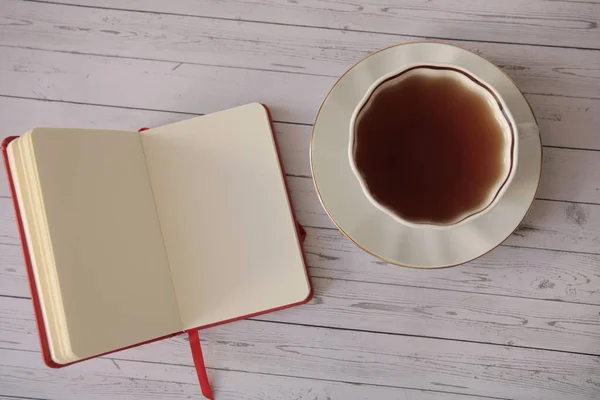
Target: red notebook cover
[(192, 333)]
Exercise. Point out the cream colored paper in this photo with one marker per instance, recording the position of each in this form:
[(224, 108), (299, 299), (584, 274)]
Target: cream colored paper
[(112, 279), (134, 237), (225, 217)]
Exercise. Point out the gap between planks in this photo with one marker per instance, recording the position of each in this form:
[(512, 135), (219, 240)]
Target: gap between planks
[(330, 51), (338, 387), (471, 317), (299, 25), (569, 175), (237, 67), (267, 320), (374, 358)]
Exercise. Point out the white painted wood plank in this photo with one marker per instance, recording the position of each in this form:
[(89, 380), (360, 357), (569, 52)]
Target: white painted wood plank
[(569, 175), (549, 225), (322, 353), (431, 313), (21, 374), (449, 315), (21, 114), (562, 123), (511, 271), (301, 50), (372, 358), (155, 85), (560, 226), (13, 279), (567, 121), (403, 361), (520, 272), (578, 115), (18, 398), (556, 23)]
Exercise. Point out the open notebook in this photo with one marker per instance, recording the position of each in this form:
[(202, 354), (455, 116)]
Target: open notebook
[(133, 236)]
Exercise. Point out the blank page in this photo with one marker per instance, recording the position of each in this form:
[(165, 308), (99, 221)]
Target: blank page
[(225, 216), (110, 259)]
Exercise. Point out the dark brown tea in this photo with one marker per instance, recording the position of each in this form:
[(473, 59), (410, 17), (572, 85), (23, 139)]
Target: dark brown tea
[(430, 147)]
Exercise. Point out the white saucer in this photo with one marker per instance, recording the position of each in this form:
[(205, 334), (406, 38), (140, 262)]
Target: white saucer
[(375, 231)]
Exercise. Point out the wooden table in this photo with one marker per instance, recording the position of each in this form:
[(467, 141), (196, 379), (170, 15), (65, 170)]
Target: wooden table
[(523, 322)]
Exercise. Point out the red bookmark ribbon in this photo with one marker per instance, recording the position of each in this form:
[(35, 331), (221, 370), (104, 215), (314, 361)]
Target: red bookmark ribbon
[(199, 363), (195, 338)]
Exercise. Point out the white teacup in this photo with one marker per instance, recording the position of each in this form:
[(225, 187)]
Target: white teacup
[(497, 106)]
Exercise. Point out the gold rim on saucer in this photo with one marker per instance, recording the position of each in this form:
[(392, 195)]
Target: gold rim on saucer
[(417, 53)]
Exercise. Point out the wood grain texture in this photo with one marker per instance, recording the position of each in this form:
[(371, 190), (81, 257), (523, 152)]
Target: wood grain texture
[(571, 276), (567, 121), (507, 271), (513, 271), (265, 47), (373, 330), (449, 315), (563, 121), (549, 225), (367, 358), (553, 225), (22, 374), (570, 175), (387, 307), (555, 23)]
